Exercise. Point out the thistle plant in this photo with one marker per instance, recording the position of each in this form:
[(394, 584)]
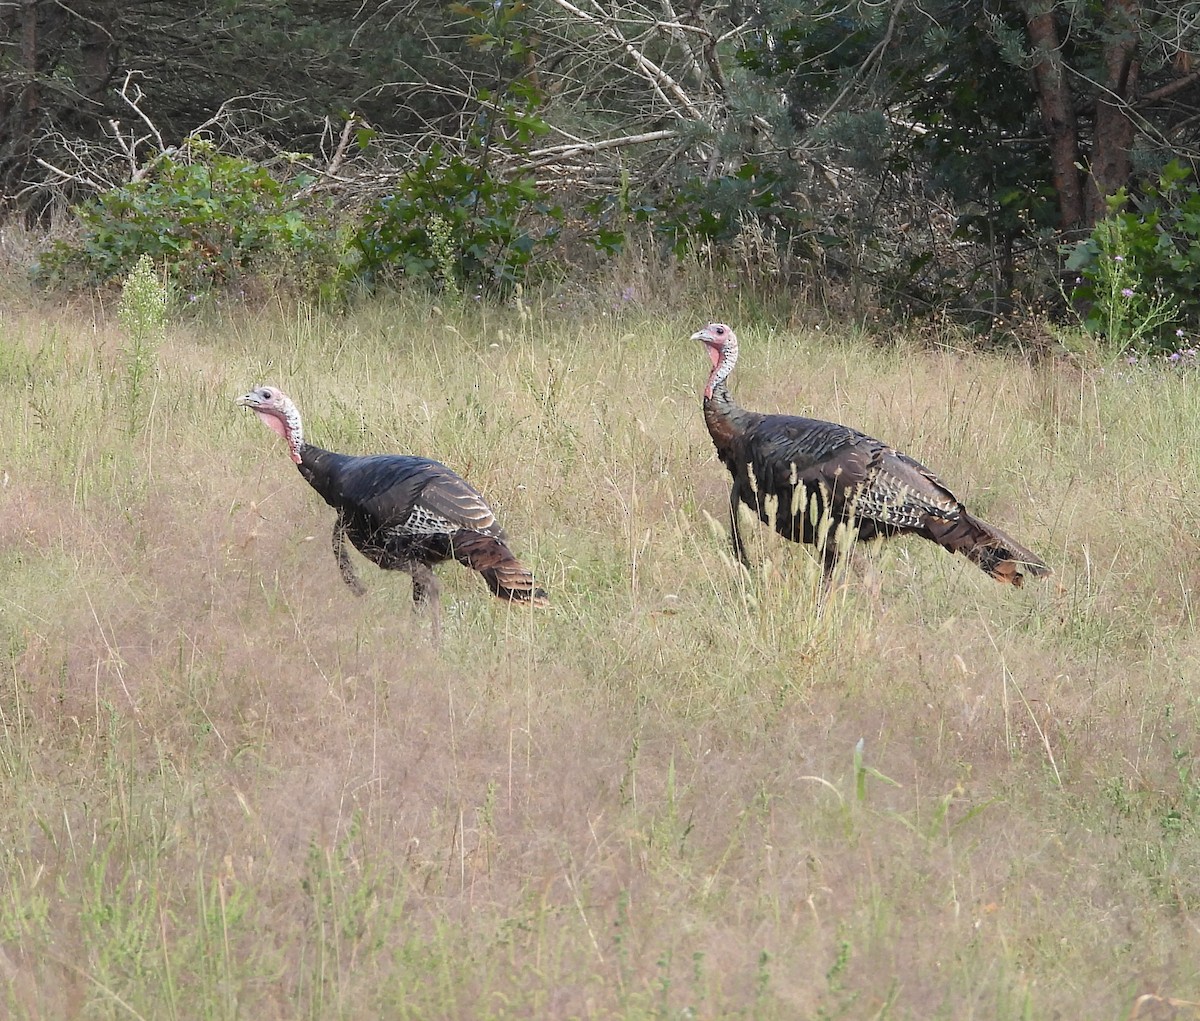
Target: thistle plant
[(1121, 304), (1129, 312), (1185, 355), (142, 313)]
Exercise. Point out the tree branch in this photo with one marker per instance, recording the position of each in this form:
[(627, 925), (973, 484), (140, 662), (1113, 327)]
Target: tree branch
[(554, 153), (663, 82), (1168, 90), (876, 52)]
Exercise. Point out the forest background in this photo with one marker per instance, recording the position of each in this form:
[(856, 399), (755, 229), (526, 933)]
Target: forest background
[(970, 160)]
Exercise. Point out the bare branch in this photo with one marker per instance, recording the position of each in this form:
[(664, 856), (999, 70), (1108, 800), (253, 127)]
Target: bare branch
[(876, 52), (555, 153), (128, 147), (226, 110), (1168, 90), (88, 21), (135, 104), (335, 162), (662, 81), (84, 179)]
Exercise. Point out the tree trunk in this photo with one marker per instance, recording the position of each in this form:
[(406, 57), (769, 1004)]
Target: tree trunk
[(19, 92), (1056, 104), (1114, 131), (98, 51), (8, 86), (29, 58)]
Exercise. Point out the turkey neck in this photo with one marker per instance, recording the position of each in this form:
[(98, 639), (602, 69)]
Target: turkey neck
[(726, 421), (317, 466)]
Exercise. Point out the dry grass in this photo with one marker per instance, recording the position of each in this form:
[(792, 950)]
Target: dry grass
[(232, 789)]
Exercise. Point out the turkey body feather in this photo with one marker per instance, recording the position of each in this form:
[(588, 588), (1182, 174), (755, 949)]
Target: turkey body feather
[(790, 464), (810, 479), (415, 495), (401, 512)]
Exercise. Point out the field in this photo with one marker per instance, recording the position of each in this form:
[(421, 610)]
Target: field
[(229, 788)]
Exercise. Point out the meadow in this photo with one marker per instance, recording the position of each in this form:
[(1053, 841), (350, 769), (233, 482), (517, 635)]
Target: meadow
[(229, 788)]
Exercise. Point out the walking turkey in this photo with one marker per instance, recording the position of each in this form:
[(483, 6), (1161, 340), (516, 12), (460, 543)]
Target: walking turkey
[(806, 478), (401, 512)]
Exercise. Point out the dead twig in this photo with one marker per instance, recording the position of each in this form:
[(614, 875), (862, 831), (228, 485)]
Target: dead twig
[(335, 161), (664, 84)]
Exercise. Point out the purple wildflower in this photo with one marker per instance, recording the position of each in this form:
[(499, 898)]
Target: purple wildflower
[(1126, 292)]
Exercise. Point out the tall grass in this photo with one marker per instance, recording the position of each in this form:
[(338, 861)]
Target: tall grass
[(229, 789)]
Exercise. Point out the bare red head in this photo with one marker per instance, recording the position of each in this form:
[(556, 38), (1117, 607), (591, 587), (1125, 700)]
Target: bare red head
[(721, 343), (276, 409)]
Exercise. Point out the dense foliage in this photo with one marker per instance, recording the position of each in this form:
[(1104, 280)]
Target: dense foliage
[(206, 217), (941, 153), (1138, 280), (461, 219)]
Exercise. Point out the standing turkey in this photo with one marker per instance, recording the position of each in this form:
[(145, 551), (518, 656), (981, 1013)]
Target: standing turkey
[(807, 477), (403, 513)]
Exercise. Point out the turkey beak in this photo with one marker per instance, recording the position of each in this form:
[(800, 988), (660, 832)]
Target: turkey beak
[(702, 336), (250, 400)]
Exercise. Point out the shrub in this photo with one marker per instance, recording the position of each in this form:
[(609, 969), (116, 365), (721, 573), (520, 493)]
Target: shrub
[(712, 212), (207, 217), (454, 221), (1139, 271), (459, 219)]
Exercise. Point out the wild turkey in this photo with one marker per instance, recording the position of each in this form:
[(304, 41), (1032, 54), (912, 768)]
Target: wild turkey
[(806, 478), (403, 513)]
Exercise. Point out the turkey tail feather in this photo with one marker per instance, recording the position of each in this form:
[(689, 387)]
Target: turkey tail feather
[(504, 573), (994, 551)]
